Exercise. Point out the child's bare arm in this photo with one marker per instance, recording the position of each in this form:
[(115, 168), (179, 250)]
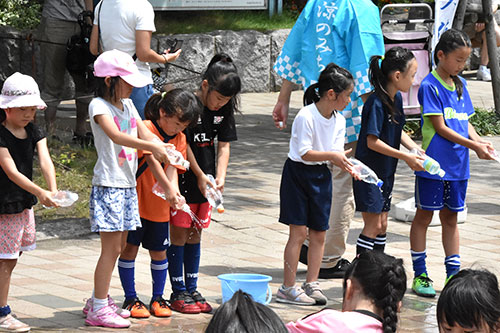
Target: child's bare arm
[(413, 161), (109, 127), (46, 165), (202, 179), (9, 167), (171, 193), (338, 158)]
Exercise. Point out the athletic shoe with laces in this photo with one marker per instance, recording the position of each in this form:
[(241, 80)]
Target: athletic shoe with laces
[(106, 317), (201, 302), (422, 286), (159, 307), (294, 295), (313, 290), (10, 324), (119, 311), (184, 303), (335, 272), (483, 74), (137, 308)]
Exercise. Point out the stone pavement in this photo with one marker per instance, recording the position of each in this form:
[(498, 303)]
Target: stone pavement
[(50, 283)]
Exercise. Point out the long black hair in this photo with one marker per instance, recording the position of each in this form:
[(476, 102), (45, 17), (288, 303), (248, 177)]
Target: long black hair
[(395, 59), (177, 102), (451, 40), (382, 279), (332, 77), (103, 91), (241, 314), (471, 298), (222, 76)]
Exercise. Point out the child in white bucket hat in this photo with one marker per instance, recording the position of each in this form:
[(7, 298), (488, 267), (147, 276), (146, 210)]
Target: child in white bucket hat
[(118, 133), (19, 100)]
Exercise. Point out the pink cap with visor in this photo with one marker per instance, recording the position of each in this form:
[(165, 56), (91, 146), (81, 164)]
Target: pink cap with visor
[(117, 63)]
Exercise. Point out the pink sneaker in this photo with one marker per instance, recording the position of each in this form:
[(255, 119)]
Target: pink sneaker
[(124, 313), (106, 317)]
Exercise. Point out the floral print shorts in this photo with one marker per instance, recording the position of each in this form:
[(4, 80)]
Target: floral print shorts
[(17, 233)]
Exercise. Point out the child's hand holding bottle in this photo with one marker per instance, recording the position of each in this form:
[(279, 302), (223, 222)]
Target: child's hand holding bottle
[(415, 159), (159, 150), (340, 159), (484, 150), (46, 198)]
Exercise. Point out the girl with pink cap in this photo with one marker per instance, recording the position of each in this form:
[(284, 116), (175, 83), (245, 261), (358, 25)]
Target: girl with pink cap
[(19, 101), (118, 133)]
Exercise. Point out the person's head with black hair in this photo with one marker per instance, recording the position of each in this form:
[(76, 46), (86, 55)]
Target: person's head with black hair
[(379, 279), (451, 54), (220, 84), (241, 314), (334, 82), (173, 110), (391, 73), (470, 302)]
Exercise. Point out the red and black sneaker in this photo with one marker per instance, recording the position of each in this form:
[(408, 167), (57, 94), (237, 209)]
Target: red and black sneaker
[(201, 302), (184, 303)]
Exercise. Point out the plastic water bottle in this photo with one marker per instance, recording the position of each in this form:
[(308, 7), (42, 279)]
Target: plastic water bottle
[(365, 173), (64, 198), (495, 155), (430, 165), (158, 190), (175, 158), (214, 196)]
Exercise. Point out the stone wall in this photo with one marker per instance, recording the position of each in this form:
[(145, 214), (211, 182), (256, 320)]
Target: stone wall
[(253, 52)]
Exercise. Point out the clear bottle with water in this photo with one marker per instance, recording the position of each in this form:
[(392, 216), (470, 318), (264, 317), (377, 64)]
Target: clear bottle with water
[(158, 190), (430, 165), (214, 196), (175, 158), (365, 173), (494, 153)]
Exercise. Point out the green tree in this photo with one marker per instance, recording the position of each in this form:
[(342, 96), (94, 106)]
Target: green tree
[(20, 14)]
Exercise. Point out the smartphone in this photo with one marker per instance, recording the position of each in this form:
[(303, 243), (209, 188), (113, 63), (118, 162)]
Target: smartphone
[(174, 45)]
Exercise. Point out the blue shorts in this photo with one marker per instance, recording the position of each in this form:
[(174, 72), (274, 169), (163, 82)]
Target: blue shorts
[(152, 235), (113, 209), (305, 195), (370, 198), (433, 194), (140, 96)]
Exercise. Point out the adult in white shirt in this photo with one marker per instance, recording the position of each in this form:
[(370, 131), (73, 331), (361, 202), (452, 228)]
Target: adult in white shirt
[(127, 25)]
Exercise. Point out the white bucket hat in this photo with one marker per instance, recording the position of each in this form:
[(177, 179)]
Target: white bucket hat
[(20, 90)]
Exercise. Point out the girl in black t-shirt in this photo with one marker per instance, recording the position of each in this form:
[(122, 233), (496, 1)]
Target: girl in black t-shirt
[(20, 98), (219, 94)]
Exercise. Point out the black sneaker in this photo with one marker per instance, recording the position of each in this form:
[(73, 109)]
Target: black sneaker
[(336, 272), (303, 254)]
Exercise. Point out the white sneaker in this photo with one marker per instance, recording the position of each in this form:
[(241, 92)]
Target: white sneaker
[(313, 290), (106, 317), (483, 74), (293, 295), (11, 324)]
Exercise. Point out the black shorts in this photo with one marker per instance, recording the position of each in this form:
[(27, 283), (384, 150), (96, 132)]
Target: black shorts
[(305, 195), (370, 198), (153, 236)]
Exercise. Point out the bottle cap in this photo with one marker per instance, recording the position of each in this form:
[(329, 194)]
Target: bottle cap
[(380, 183), (441, 173), (185, 164), (220, 209)]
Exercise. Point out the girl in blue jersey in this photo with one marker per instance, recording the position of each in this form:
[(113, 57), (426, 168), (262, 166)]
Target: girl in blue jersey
[(447, 137), (379, 140)]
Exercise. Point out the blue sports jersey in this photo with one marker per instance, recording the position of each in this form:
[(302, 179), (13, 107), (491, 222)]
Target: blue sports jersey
[(377, 121), (436, 97), (346, 32)]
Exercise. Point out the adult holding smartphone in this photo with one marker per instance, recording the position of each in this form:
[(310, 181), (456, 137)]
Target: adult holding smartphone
[(128, 26)]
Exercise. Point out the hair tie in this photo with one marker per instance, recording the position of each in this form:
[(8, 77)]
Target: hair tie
[(163, 94), (382, 57)]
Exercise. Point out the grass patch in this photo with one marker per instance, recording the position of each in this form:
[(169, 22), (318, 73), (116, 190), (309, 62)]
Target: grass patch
[(74, 170), (486, 122), (187, 22)]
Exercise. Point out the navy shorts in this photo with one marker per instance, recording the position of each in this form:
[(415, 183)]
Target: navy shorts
[(434, 194), (370, 198), (305, 195), (152, 235)]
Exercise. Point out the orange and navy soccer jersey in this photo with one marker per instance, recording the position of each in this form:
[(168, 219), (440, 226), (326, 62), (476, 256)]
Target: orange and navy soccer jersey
[(151, 206)]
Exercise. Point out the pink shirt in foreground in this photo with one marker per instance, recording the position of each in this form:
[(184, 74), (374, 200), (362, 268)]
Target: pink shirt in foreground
[(336, 321)]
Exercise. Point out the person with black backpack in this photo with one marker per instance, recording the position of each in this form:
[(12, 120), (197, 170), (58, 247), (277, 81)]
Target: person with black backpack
[(59, 25)]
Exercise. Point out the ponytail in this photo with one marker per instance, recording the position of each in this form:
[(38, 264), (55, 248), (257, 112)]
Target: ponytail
[(451, 40), (395, 59), (332, 77), (382, 279)]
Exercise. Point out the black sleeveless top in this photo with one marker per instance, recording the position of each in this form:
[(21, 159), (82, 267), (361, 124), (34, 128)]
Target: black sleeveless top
[(14, 199)]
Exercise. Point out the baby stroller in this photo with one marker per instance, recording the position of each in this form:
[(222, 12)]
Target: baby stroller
[(409, 25)]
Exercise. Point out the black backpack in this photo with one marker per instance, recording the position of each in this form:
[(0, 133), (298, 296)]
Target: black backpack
[(78, 57)]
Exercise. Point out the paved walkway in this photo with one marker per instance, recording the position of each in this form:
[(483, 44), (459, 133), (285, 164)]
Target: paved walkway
[(49, 284)]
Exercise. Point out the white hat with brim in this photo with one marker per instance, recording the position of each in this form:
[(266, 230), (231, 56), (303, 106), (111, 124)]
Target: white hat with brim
[(19, 91), (117, 63)]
